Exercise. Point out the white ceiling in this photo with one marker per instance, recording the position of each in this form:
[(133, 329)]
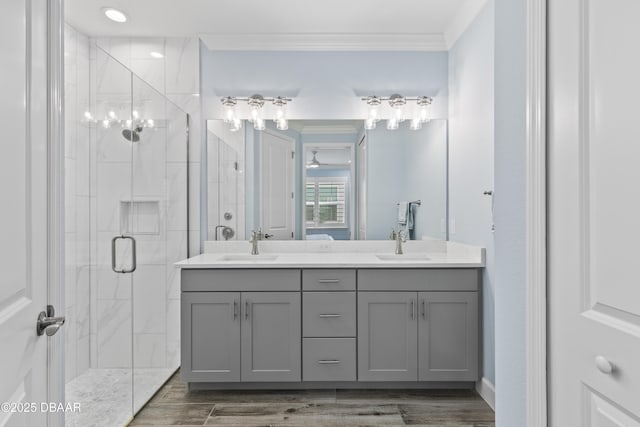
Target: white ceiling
[(285, 24)]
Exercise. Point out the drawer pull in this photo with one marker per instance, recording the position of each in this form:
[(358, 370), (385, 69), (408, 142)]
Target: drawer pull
[(328, 280), (328, 362), (330, 315)]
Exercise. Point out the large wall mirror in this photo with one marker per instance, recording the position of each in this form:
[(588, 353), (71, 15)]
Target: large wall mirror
[(327, 180)]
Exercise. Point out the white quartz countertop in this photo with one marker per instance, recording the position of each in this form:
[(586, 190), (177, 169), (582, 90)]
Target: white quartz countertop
[(348, 254)]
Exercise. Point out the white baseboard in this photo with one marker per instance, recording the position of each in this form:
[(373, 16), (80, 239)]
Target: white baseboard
[(487, 391)]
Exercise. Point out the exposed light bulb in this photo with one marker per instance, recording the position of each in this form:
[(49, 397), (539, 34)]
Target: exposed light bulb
[(369, 124), (229, 105), (416, 124), (282, 124), (398, 113), (229, 114), (255, 114), (150, 123), (424, 102), (135, 114), (112, 115), (392, 123), (87, 115), (106, 123), (236, 125), (259, 124)]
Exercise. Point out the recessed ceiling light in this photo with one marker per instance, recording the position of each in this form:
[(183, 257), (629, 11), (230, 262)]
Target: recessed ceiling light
[(114, 14), (156, 55)]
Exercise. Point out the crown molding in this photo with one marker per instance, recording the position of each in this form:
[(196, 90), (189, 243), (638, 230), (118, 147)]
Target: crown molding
[(325, 42)]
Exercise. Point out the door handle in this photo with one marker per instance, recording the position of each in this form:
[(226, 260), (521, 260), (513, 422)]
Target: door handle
[(413, 309), (328, 280), (246, 309), (47, 323), (424, 310), (329, 315), (604, 365), (134, 262), (235, 309)]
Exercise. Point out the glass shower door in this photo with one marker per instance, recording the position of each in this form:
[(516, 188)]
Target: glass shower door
[(99, 345), (159, 224)]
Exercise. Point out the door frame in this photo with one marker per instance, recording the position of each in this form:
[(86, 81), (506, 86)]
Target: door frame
[(352, 208), (536, 220), (55, 202)]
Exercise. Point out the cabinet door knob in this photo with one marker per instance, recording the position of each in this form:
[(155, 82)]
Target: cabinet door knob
[(604, 365)]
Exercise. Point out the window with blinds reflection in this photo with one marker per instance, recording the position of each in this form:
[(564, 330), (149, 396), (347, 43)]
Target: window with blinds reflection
[(325, 205)]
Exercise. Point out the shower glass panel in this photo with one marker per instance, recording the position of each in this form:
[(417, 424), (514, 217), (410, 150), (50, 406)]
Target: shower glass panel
[(160, 228), (126, 224)]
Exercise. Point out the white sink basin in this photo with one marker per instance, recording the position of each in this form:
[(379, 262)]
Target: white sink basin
[(403, 257), (243, 257)]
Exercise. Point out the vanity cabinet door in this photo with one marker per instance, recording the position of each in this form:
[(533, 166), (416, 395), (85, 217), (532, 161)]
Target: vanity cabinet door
[(211, 336), (448, 336), (387, 336), (271, 336)]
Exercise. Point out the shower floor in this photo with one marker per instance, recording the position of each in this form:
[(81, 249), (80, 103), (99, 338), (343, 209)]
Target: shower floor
[(105, 395)]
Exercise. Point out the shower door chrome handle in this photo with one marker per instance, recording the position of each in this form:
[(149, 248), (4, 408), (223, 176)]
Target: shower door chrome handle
[(133, 255)]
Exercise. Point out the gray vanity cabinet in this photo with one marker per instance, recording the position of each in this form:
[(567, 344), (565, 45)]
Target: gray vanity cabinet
[(448, 336), (271, 337), (387, 336), (425, 330), (211, 336)]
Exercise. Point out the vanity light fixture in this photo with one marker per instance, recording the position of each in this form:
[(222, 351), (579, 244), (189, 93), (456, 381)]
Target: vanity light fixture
[(398, 105), (111, 119), (115, 15), (256, 104)]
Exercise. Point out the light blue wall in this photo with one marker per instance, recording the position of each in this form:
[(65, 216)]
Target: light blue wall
[(510, 210), (471, 156), (406, 165), (426, 169), (325, 85)]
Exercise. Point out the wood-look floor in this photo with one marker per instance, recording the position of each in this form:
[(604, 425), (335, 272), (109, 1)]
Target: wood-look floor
[(174, 405)]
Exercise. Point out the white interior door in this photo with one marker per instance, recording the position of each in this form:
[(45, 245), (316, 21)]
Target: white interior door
[(23, 178), (594, 206), (277, 178)]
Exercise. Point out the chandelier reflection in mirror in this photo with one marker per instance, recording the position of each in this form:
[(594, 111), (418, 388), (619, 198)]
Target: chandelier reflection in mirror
[(256, 105), (418, 111)]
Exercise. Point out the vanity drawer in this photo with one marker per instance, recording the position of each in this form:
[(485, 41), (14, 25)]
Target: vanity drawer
[(329, 359), (425, 280), (329, 314), (328, 280), (218, 280)]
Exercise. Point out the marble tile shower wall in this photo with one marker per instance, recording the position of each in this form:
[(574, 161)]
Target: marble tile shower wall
[(176, 76), (78, 200), (151, 173)]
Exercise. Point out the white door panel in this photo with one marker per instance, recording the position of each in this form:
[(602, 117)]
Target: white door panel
[(277, 179), (23, 177), (594, 203)]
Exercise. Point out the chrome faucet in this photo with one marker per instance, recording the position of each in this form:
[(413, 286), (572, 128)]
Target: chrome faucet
[(399, 239), (255, 238)]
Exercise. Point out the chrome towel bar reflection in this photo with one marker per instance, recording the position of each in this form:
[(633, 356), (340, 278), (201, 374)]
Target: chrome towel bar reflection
[(133, 255)]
